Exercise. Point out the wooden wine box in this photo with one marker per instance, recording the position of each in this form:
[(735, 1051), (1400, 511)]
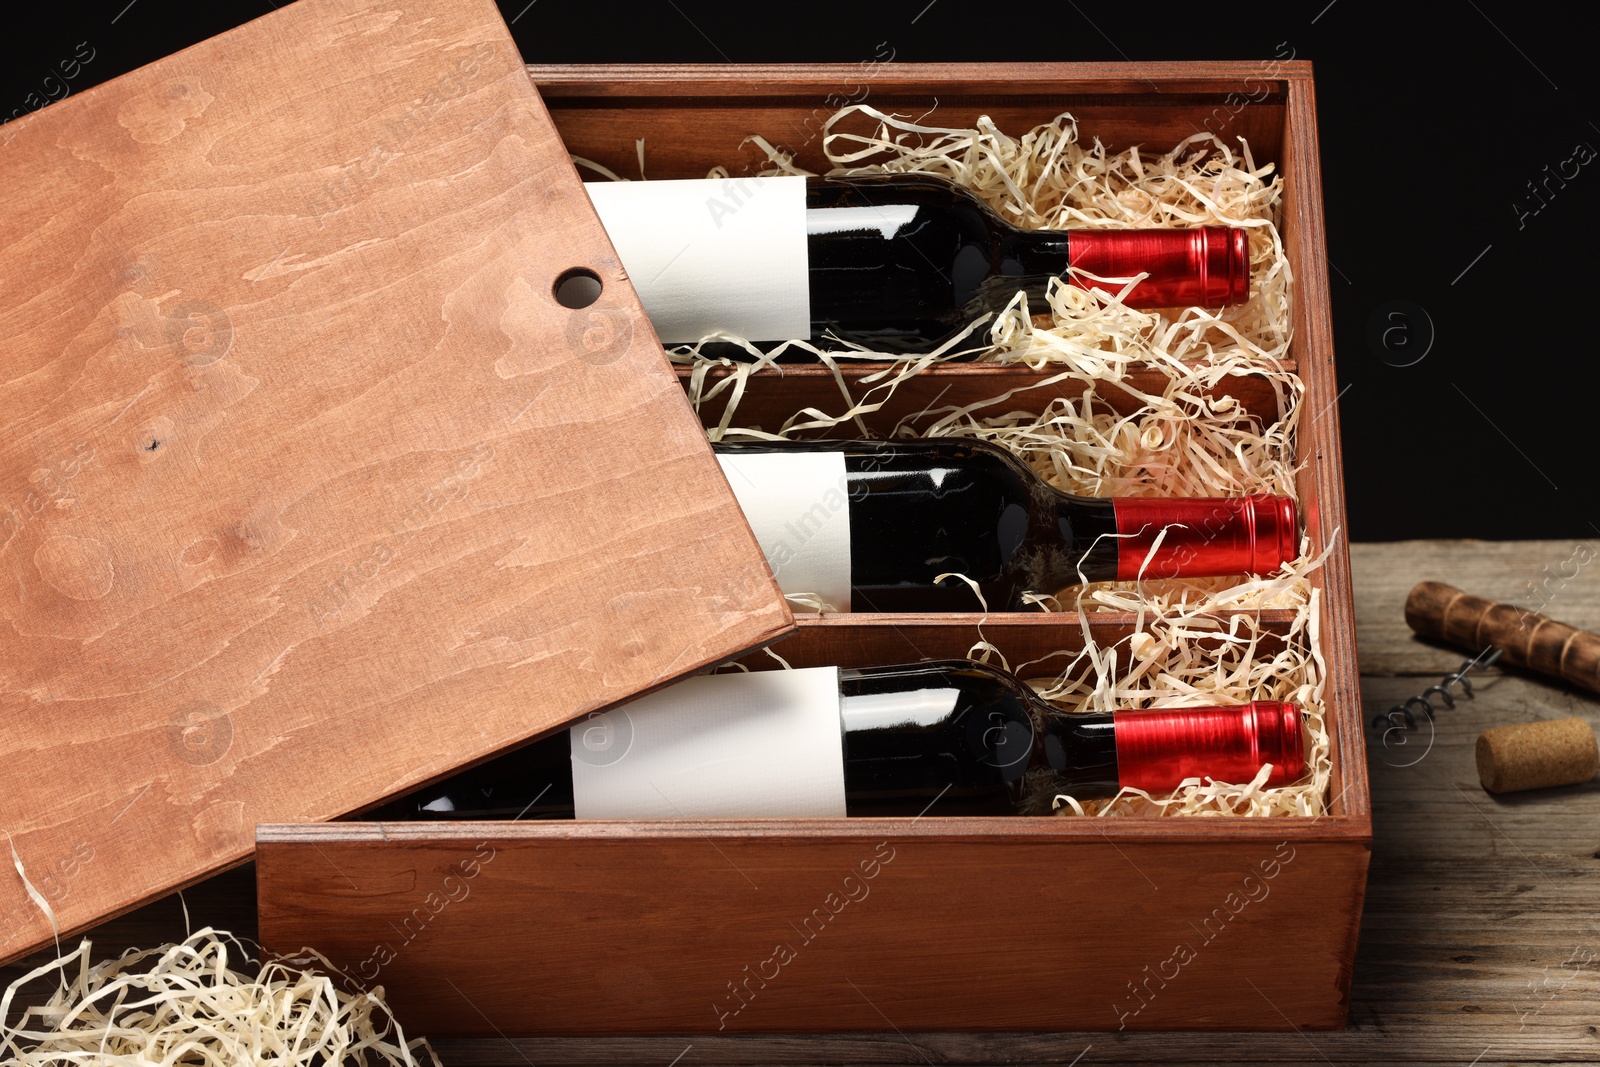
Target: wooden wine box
[(934, 923), (312, 491)]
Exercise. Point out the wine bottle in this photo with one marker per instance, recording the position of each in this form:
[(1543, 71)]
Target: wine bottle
[(941, 738), (882, 525), (895, 263)]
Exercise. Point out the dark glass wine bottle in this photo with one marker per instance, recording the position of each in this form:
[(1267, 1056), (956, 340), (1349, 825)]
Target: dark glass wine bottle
[(918, 509), (894, 263), (943, 738)]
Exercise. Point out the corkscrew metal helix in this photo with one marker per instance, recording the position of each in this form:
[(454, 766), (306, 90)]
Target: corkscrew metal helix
[(1400, 717)]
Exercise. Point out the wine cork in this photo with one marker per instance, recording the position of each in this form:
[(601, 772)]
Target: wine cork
[(1537, 755), (1524, 638)]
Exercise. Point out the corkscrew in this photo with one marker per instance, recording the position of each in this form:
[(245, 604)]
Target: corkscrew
[(1524, 637), (1402, 713)]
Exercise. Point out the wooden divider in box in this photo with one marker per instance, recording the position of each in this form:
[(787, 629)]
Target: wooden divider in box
[(1027, 923), (1048, 640), (770, 397), (696, 116)]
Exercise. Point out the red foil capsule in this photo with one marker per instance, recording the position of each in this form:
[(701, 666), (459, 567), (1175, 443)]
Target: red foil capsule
[(1158, 749), (1205, 536), (1208, 266)]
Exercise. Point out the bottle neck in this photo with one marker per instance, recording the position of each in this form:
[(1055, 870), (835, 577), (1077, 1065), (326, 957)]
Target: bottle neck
[(1034, 253), (1077, 535), (1197, 537), (1029, 259), (1205, 266)]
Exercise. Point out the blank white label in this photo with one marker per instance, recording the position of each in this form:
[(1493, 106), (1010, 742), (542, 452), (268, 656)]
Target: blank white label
[(798, 505), (713, 255), (761, 745)]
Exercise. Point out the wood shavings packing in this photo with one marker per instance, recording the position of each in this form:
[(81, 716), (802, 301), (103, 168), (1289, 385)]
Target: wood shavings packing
[(187, 1005)]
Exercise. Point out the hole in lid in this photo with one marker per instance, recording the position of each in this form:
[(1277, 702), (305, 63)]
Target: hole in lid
[(577, 288)]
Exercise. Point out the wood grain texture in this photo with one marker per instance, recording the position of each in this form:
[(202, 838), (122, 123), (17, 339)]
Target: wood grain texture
[(1321, 478), (310, 490), (1477, 913), (695, 116), (748, 930)]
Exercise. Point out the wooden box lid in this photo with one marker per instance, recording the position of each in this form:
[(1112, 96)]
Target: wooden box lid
[(310, 489)]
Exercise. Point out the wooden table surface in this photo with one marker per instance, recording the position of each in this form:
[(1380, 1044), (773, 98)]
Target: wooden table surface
[(1480, 943)]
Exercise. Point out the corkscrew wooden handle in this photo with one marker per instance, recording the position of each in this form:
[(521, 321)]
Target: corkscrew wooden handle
[(1525, 638)]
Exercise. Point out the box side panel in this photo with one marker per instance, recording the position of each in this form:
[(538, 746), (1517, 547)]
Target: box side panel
[(689, 115), (1321, 481), (695, 935)]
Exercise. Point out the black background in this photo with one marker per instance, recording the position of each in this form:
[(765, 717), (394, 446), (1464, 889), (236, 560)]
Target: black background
[(1432, 125)]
